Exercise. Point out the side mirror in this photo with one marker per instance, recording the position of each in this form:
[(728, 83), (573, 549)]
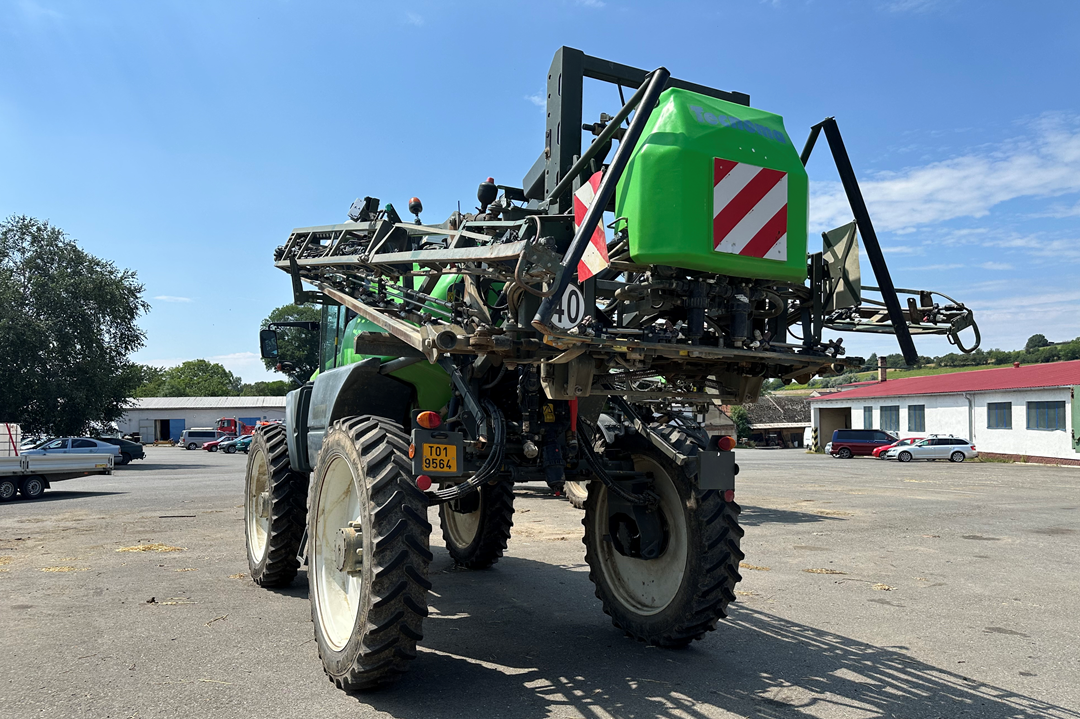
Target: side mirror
[(268, 344)]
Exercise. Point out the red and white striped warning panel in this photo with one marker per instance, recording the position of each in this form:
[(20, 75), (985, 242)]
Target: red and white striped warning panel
[(749, 210), (595, 257)]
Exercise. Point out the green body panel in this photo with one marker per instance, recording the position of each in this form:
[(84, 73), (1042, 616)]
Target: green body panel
[(666, 192), (431, 381)]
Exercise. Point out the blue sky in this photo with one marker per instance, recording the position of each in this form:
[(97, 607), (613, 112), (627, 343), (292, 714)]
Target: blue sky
[(184, 140)]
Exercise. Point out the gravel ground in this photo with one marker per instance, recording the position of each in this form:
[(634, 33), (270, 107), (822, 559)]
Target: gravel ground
[(871, 589)]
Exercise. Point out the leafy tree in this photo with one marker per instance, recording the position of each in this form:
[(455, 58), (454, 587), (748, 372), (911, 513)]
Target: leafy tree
[(1036, 341), (279, 388), (296, 345), (895, 361), (67, 328), (871, 362), (194, 378), (151, 380), (741, 419)]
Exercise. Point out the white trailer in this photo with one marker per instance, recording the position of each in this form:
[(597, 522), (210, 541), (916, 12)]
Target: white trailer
[(32, 474)]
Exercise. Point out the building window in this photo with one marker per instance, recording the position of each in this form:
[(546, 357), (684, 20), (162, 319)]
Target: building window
[(868, 417), (999, 415), (890, 418), (1046, 415), (916, 417)]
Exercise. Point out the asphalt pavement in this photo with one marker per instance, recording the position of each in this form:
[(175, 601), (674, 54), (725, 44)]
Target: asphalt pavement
[(870, 589)]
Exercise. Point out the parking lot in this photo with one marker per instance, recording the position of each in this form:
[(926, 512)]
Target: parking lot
[(871, 589)]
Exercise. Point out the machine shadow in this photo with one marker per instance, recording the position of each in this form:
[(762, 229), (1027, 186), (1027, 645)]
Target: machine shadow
[(142, 466), (56, 495), (527, 639), (752, 516)]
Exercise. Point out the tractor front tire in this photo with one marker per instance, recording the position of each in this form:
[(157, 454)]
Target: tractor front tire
[(677, 597), (275, 509), (368, 553), (577, 493), (476, 538)]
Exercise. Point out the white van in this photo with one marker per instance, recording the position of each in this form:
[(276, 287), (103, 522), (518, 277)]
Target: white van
[(194, 438)]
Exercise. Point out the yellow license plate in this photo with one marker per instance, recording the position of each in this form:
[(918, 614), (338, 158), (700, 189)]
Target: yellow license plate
[(440, 458)]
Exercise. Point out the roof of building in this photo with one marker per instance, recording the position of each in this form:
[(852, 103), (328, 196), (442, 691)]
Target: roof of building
[(208, 403), (773, 409), (781, 425), (1051, 374)]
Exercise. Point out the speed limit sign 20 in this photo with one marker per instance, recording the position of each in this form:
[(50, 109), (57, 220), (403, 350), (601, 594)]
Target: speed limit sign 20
[(570, 310)]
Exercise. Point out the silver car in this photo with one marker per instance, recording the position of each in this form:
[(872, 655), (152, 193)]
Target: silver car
[(76, 445), (951, 448)]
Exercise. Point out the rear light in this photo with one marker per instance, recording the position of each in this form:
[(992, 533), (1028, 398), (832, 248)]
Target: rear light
[(429, 420), (423, 482), (972, 448), (725, 444), (729, 495)]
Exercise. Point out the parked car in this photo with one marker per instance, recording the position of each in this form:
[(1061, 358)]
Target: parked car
[(848, 443), (214, 444), (128, 450), (32, 442), (76, 445), (879, 452), (194, 438), (951, 448), (232, 446)]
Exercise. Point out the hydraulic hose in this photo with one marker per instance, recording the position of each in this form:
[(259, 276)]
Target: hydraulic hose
[(487, 470)]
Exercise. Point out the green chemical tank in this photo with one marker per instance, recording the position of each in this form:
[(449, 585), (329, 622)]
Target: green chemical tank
[(717, 187)]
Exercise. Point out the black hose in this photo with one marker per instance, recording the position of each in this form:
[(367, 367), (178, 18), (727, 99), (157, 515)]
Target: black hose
[(487, 470), (597, 468)]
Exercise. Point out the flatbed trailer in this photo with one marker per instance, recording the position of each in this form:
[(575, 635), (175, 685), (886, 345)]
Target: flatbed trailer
[(30, 475)]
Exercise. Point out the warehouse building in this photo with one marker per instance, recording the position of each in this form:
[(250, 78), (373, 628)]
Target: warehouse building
[(1015, 412), (164, 418)]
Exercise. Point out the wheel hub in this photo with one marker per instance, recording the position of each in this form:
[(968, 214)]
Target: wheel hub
[(349, 550), (262, 504)]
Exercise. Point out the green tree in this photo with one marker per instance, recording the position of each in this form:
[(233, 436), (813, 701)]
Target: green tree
[(67, 329), (741, 419), (1036, 341), (296, 345), (279, 388), (194, 378), (871, 362), (151, 380)]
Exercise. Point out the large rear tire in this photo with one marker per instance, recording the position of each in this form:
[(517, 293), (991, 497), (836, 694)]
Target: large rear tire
[(679, 596), (275, 510), (367, 553), (476, 539)]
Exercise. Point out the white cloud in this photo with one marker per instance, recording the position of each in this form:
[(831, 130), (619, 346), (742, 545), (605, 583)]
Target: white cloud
[(539, 99), (413, 18), (1046, 164), (1062, 211), (903, 250), (592, 3), (246, 365), (172, 298), (910, 5), (995, 266), (34, 11)]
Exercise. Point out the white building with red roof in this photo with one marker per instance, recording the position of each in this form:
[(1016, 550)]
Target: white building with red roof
[(1018, 412)]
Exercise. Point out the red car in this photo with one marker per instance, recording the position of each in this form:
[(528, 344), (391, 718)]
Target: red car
[(212, 446), (879, 452)]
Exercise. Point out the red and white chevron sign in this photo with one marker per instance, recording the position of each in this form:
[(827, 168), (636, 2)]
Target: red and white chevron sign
[(749, 210), (595, 257)]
